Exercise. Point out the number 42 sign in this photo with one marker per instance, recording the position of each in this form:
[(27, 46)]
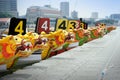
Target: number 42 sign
[(43, 24)]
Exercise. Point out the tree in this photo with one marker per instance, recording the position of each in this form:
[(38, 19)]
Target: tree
[(107, 21), (5, 15)]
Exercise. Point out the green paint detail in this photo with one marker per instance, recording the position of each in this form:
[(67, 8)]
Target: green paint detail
[(86, 39), (65, 46), (77, 36), (92, 35), (0, 48), (107, 31), (83, 40), (14, 62), (2, 60)]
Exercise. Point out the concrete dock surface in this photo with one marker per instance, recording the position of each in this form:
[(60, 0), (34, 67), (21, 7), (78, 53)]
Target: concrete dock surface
[(95, 60)]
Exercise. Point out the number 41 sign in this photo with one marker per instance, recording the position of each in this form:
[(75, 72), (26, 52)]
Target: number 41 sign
[(43, 24)]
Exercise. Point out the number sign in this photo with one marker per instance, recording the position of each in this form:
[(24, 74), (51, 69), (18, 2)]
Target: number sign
[(43, 24), (61, 23), (84, 25), (17, 26), (73, 24)]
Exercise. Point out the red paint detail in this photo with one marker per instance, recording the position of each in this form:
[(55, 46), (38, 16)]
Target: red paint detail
[(57, 40), (4, 51), (59, 51)]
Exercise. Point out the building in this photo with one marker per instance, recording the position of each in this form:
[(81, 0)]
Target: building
[(9, 7), (115, 16), (64, 8), (94, 15), (47, 11), (32, 13), (4, 23), (74, 14)]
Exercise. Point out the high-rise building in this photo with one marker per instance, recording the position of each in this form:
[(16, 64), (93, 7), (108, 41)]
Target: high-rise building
[(9, 7), (64, 8), (74, 14), (94, 15)]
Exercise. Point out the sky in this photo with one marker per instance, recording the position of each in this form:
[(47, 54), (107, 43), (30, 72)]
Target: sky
[(83, 7)]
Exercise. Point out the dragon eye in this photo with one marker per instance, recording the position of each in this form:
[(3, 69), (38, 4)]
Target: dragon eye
[(16, 39)]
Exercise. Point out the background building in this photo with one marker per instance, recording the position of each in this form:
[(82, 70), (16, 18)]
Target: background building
[(47, 11), (9, 7), (115, 16), (64, 8), (4, 23), (94, 15), (74, 14)]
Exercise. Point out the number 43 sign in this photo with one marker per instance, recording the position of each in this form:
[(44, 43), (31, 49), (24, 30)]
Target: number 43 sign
[(61, 23), (17, 26), (43, 24)]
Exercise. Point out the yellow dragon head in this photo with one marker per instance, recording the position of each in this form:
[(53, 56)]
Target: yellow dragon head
[(12, 47)]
